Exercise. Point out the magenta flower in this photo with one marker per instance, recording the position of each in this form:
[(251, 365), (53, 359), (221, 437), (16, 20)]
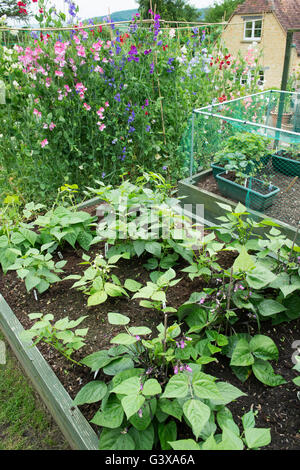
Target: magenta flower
[(44, 143), (37, 113)]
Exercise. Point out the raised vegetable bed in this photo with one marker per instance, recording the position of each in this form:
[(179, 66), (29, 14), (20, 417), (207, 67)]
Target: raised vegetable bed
[(189, 188)]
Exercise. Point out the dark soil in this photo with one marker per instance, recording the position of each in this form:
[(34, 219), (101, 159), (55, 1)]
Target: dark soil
[(278, 408), (286, 204)]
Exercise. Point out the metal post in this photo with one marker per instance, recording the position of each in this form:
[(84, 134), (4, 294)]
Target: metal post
[(285, 73), (192, 146)]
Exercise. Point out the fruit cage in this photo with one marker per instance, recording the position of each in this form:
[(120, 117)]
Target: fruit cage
[(252, 146)]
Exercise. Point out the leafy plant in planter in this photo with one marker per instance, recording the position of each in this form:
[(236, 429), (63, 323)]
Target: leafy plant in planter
[(287, 161), (240, 184), (251, 354), (97, 280), (63, 225), (59, 334), (143, 404), (38, 270), (140, 220), (250, 147)]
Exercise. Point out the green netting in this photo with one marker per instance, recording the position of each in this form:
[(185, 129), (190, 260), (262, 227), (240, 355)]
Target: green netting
[(252, 146)]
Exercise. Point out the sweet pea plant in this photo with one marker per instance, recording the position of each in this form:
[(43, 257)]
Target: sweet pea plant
[(99, 100)]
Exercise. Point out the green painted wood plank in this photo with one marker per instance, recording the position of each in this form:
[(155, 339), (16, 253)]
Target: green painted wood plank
[(72, 423)]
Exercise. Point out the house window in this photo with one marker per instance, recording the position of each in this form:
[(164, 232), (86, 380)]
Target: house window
[(247, 78), (252, 29)]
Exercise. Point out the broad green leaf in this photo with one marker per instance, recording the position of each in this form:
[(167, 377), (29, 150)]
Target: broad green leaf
[(126, 374), (264, 372), (143, 440), (177, 387), (117, 319), (248, 420), (151, 387), (142, 420), (91, 393), (123, 338), (244, 262), (115, 439), (242, 354), (154, 248), (197, 414), (166, 433), (269, 307), (263, 347), (130, 386), (97, 360), (97, 298), (118, 364), (260, 277), (257, 437), (225, 420), (132, 404), (296, 381), (132, 286), (111, 416), (31, 281), (204, 388), (184, 444), (228, 393), (139, 330), (171, 407), (113, 290), (139, 247), (230, 441)]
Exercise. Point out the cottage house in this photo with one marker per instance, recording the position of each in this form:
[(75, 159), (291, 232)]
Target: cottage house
[(265, 22)]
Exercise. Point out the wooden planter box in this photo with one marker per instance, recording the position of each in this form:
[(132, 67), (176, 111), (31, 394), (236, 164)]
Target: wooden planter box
[(255, 199), (75, 428), (195, 195), (287, 166)]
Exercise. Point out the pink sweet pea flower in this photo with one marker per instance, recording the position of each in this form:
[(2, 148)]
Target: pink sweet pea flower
[(37, 113), (44, 143)]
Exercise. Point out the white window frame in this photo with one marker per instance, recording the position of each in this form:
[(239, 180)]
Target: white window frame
[(253, 21), (248, 77)]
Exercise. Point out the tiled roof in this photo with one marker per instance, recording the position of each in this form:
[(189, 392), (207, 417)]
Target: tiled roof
[(286, 11)]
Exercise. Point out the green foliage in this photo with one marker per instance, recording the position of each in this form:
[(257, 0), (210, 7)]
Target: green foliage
[(38, 270), (62, 225), (173, 10), (144, 218), (97, 281), (252, 355), (142, 403), (59, 334), (221, 11)]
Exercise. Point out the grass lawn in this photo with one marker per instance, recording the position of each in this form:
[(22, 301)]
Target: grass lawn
[(25, 423)]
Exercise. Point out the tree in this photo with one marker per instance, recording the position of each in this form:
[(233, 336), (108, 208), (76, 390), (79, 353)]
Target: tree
[(223, 11), (172, 10)]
